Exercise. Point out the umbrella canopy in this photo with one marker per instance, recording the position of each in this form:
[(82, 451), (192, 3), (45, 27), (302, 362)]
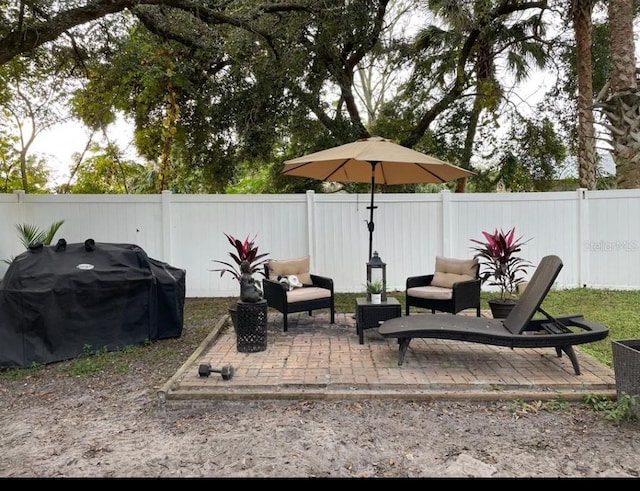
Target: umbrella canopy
[(377, 160)]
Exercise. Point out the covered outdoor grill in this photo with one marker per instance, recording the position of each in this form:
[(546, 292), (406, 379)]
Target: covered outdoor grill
[(58, 302)]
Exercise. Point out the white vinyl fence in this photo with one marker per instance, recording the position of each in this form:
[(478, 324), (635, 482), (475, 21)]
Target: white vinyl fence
[(596, 233)]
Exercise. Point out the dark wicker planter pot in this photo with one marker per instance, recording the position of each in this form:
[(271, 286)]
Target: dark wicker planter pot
[(500, 309), (251, 326), (626, 365)]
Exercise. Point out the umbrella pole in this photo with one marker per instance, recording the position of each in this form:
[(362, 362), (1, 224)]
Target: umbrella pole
[(370, 224)]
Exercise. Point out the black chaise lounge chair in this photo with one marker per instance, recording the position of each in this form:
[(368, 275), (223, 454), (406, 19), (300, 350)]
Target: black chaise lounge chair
[(517, 330)]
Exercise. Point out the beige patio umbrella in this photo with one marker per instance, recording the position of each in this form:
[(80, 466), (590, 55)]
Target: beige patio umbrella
[(374, 159)]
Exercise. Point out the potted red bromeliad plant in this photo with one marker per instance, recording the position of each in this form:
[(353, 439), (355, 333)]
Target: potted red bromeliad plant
[(243, 250), (501, 267)]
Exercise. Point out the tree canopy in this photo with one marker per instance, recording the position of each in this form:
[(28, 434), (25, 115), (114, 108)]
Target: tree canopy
[(221, 93)]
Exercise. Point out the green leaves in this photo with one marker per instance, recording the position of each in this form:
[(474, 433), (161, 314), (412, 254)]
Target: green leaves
[(31, 234), (375, 286)]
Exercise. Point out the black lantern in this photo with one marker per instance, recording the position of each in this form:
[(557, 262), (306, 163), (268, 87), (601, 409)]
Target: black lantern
[(377, 271)]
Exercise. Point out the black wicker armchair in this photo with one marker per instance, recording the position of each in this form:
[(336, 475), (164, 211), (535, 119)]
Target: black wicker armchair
[(315, 293), (453, 287)]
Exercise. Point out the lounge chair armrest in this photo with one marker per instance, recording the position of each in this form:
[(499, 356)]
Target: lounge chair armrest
[(423, 280), (322, 282), (570, 320)]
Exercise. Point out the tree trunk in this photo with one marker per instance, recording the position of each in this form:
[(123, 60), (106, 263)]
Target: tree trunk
[(582, 27), (622, 104), (468, 145)]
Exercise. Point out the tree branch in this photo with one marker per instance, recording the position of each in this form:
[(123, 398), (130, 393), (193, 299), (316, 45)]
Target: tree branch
[(29, 34)]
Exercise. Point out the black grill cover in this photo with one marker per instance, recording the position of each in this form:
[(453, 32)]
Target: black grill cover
[(59, 302)]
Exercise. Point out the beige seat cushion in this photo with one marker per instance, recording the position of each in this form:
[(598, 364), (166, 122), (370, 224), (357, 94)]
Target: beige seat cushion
[(307, 293), (451, 270), (430, 292), (298, 267)]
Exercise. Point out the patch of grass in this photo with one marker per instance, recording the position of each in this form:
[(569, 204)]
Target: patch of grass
[(18, 374), (618, 310), (346, 302), (622, 409), (520, 407), (87, 365), (92, 362)]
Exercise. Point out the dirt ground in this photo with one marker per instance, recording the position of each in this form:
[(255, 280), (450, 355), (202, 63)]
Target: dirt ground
[(62, 420), (114, 427)]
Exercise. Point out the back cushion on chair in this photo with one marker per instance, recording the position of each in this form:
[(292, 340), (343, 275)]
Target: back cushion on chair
[(298, 267), (450, 270)]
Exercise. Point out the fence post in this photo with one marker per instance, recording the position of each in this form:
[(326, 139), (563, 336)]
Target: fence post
[(311, 227), (446, 250), (582, 237), (167, 230), (20, 194)]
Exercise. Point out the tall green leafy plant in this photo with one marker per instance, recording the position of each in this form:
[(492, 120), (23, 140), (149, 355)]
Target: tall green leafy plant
[(32, 234)]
